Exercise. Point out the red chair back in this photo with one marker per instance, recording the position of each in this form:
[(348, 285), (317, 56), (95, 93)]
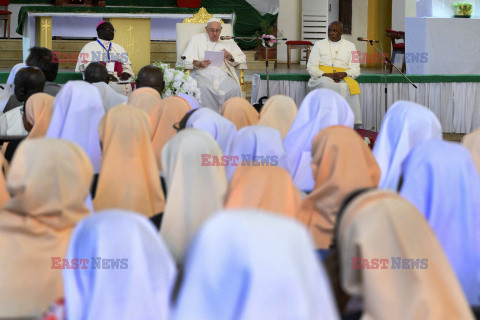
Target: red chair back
[(4, 2)]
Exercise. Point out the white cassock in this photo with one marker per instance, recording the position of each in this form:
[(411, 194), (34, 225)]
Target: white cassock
[(104, 51), (216, 84), (337, 54)]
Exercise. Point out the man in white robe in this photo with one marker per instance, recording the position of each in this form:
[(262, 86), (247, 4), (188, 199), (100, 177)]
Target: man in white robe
[(216, 84), (109, 53), (334, 56)]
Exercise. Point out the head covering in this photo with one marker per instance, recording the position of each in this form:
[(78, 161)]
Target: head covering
[(139, 281), (278, 112), (270, 265), (405, 124), (168, 112), (254, 144), (49, 180), (195, 190), (145, 98), (342, 163), (268, 188), (214, 20), (39, 110), (472, 142), (240, 112), (100, 23), (321, 108), (4, 195), (129, 177), (13, 72), (382, 225), (110, 97), (191, 100), (77, 112), (440, 179), (221, 129)]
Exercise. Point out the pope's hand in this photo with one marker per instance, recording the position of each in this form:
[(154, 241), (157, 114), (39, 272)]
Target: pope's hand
[(227, 55), (202, 64)]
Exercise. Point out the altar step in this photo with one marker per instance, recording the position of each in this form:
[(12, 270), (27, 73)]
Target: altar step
[(160, 51)]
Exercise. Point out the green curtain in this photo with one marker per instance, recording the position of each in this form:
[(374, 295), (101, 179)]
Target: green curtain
[(248, 18)]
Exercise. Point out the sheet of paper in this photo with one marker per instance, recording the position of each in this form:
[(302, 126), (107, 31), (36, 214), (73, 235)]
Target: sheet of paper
[(215, 57)]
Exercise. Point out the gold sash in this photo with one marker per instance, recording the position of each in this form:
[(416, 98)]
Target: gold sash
[(352, 84)]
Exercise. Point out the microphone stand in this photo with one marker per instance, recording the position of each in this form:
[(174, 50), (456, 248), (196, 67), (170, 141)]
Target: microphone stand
[(385, 61), (267, 69)]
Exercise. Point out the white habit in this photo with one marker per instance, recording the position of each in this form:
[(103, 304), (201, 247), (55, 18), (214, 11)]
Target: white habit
[(110, 97), (337, 54), (96, 52), (216, 84)]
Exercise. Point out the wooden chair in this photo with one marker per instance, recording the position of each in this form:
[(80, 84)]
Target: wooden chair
[(5, 16), (297, 45), (397, 47)]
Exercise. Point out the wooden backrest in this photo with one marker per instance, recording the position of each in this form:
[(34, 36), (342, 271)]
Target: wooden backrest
[(394, 35), (4, 3)]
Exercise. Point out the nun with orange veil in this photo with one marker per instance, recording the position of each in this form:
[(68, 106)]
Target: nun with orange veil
[(49, 180), (168, 113), (4, 195), (268, 188), (145, 98), (129, 176), (279, 112), (391, 264), (38, 113), (240, 112), (342, 163)]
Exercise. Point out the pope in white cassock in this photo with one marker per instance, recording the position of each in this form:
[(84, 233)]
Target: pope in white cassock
[(331, 66), (217, 84), (103, 50)]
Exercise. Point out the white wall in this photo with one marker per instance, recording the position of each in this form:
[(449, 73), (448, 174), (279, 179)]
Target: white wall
[(334, 10), (398, 15), (289, 24)]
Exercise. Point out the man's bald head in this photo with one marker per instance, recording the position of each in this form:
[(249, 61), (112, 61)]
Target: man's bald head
[(28, 81), (152, 77), (106, 31), (96, 72), (335, 31)]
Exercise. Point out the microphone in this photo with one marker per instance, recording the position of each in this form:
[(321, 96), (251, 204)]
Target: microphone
[(367, 40), (226, 38)]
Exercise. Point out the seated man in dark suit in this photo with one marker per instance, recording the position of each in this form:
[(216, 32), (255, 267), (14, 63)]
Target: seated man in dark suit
[(47, 62)]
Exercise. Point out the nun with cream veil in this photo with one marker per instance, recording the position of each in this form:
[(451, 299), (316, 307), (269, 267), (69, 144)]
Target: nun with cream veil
[(441, 180), (471, 141), (279, 112), (405, 125), (129, 177), (140, 285), (240, 112), (341, 164), (77, 111), (379, 224), (321, 108), (252, 264), (195, 191), (49, 180), (221, 129), (257, 145)]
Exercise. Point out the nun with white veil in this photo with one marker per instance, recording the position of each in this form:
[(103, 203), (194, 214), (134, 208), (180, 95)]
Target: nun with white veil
[(321, 108), (137, 286), (253, 264), (405, 125), (77, 111)]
